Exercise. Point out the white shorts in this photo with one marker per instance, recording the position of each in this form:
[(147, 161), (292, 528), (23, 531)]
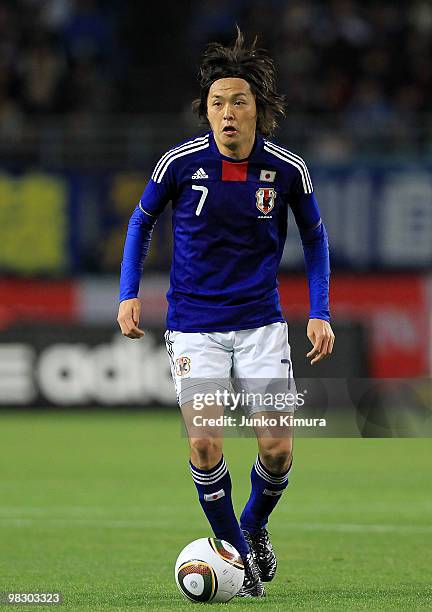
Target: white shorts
[(250, 361)]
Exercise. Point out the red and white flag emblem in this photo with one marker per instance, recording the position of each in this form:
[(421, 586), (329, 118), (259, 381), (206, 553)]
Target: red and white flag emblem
[(268, 176), (214, 496)]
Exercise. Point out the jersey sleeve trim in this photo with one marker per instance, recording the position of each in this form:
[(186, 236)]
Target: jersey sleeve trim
[(188, 147), (144, 211), (294, 160)]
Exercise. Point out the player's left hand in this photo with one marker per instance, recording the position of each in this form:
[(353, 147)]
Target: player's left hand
[(322, 337)]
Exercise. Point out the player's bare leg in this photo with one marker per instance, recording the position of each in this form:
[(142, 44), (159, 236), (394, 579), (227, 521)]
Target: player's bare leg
[(205, 439), (269, 478)]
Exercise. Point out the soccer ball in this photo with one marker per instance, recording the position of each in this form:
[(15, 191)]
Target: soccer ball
[(209, 570)]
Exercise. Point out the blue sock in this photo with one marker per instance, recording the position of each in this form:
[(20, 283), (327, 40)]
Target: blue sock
[(214, 492), (267, 489)]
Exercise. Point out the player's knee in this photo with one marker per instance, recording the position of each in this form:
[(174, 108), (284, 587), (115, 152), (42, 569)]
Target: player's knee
[(205, 452), (277, 458)]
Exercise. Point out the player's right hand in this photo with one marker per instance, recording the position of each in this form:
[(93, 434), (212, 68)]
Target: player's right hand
[(128, 318)]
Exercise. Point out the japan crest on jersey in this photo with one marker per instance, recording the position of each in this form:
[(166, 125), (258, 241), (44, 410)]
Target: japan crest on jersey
[(265, 199)]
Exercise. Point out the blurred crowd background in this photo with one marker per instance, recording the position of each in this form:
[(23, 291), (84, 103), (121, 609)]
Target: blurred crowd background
[(93, 92), (364, 64)]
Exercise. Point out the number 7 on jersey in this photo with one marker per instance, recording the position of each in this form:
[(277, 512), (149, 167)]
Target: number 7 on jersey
[(204, 193)]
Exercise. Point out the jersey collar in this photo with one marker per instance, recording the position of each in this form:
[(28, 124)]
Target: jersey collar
[(256, 149)]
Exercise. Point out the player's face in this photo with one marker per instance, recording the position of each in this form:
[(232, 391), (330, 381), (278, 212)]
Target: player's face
[(232, 114)]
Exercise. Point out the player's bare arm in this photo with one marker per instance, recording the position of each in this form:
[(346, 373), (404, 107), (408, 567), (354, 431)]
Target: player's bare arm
[(129, 317), (322, 338)]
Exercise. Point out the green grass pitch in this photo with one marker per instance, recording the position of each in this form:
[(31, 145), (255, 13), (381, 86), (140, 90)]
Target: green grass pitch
[(98, 505)]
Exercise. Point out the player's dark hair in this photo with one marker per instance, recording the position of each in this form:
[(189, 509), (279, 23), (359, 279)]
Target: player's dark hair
[(249, 63)]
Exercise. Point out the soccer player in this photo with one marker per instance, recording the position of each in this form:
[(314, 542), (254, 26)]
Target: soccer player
[(230, 191)]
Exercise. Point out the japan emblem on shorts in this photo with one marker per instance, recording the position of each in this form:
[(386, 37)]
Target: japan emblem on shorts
[(183, 366), (265, 199)]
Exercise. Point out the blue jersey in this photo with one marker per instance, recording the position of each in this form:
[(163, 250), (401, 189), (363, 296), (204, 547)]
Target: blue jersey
[(229, 224)]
